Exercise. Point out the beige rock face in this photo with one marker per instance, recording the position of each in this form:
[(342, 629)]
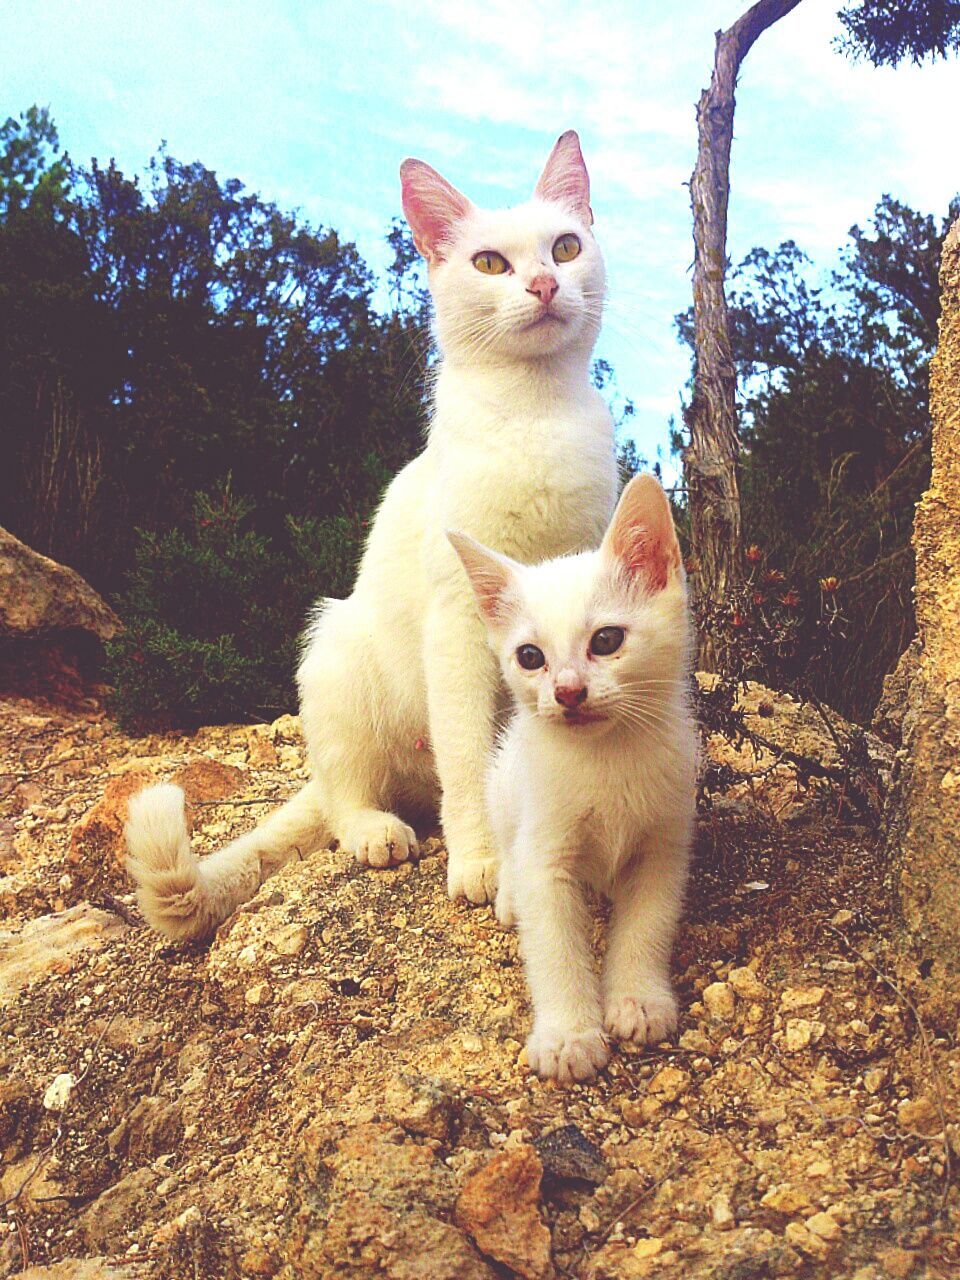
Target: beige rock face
[(39, 596), (782, 720), (924, 807)]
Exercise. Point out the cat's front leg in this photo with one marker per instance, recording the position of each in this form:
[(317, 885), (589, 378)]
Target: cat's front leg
[(462, 683), (638, 999), (567, 1042), (355, 771)]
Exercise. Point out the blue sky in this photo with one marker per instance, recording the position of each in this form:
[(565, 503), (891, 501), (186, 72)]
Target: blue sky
[(315, 104)]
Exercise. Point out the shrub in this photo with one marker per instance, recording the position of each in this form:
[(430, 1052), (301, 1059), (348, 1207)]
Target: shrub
[(774, 629), (213, 614)]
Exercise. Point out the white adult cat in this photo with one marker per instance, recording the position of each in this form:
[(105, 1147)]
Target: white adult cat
[(594, 780), (520, 454)]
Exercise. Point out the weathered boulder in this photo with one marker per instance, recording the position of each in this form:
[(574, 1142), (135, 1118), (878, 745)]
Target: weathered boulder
[(51, 945), (83, 1269), (924, 805), (39, 596), (788, 724), (387, 1213), (499, 1207)]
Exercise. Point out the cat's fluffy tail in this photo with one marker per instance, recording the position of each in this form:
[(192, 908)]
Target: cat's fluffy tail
[(183, 897)]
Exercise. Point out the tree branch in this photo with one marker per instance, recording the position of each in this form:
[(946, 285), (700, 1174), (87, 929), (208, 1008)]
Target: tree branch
[(710, 459)]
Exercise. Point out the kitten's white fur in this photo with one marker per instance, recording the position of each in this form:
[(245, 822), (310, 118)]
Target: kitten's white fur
[(520, 454), (607, 803)]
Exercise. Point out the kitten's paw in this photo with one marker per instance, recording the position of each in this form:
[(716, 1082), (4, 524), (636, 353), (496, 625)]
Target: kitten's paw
[(645, 1018), (567, 1056), (472, 878), (504, 908), (379, 840)]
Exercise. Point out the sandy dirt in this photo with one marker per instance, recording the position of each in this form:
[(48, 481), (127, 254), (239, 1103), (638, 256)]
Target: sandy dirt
[(336, 1086)]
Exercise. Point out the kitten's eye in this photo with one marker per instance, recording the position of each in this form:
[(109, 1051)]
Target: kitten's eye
[(530, 657), (607, 640), (491, 263), (566, 248)]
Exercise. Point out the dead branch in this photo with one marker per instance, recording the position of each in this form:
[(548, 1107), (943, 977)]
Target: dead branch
[(710, 459)]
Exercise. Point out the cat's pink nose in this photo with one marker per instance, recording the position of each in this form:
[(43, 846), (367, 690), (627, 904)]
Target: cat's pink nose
[(570, 695), (544, 286)]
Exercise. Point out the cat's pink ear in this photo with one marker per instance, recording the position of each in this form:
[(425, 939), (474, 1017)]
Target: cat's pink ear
[(642, 538), (492, 576), (565, 179), (431, 206)]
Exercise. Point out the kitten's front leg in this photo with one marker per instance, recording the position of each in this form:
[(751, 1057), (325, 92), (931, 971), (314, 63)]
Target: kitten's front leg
[(638, 999), (462, 682), (567, 1042), (504, 908)]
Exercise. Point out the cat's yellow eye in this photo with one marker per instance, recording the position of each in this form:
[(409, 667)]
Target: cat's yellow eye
[(566, 248), (491, 263)]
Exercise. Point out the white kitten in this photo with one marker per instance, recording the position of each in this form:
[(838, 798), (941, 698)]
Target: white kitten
[(594, 780), (520, 455)]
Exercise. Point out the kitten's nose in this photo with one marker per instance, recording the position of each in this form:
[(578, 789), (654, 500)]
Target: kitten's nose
[(544, 286), (570, 695)]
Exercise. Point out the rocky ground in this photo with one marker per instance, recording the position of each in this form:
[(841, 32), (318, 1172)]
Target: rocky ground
[(336, 1086)]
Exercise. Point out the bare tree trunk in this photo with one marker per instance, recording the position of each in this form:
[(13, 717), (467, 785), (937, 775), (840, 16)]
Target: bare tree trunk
[(710, 459)]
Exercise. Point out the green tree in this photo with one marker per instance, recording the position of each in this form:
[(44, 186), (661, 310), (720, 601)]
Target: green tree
[(51, 353), (835, 426), (158, 332), (33, 176), (887, 31)]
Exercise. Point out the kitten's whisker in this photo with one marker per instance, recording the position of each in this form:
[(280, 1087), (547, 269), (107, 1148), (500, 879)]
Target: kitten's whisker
[(661, 716)]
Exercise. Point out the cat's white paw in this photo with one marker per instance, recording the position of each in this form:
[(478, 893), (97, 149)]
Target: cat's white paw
[(645, 1018), (472, 878), (379, 840), (567, 1056)]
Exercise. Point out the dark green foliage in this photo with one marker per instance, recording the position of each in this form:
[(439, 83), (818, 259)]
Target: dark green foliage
[(214, 613), (835, 430), (887, 31), (31, 178), (156, 334)]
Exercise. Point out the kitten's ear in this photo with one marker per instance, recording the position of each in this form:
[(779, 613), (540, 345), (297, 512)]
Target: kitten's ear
[(431, 206), (565, 179), (642, 539), (492, 576)]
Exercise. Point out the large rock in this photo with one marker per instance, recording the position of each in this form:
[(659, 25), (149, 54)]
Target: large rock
[(98, 848), (499, 1207), (788, 724), (83, 1269), (52, 945), (39, 596), (386, 1215), (924, 806)]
